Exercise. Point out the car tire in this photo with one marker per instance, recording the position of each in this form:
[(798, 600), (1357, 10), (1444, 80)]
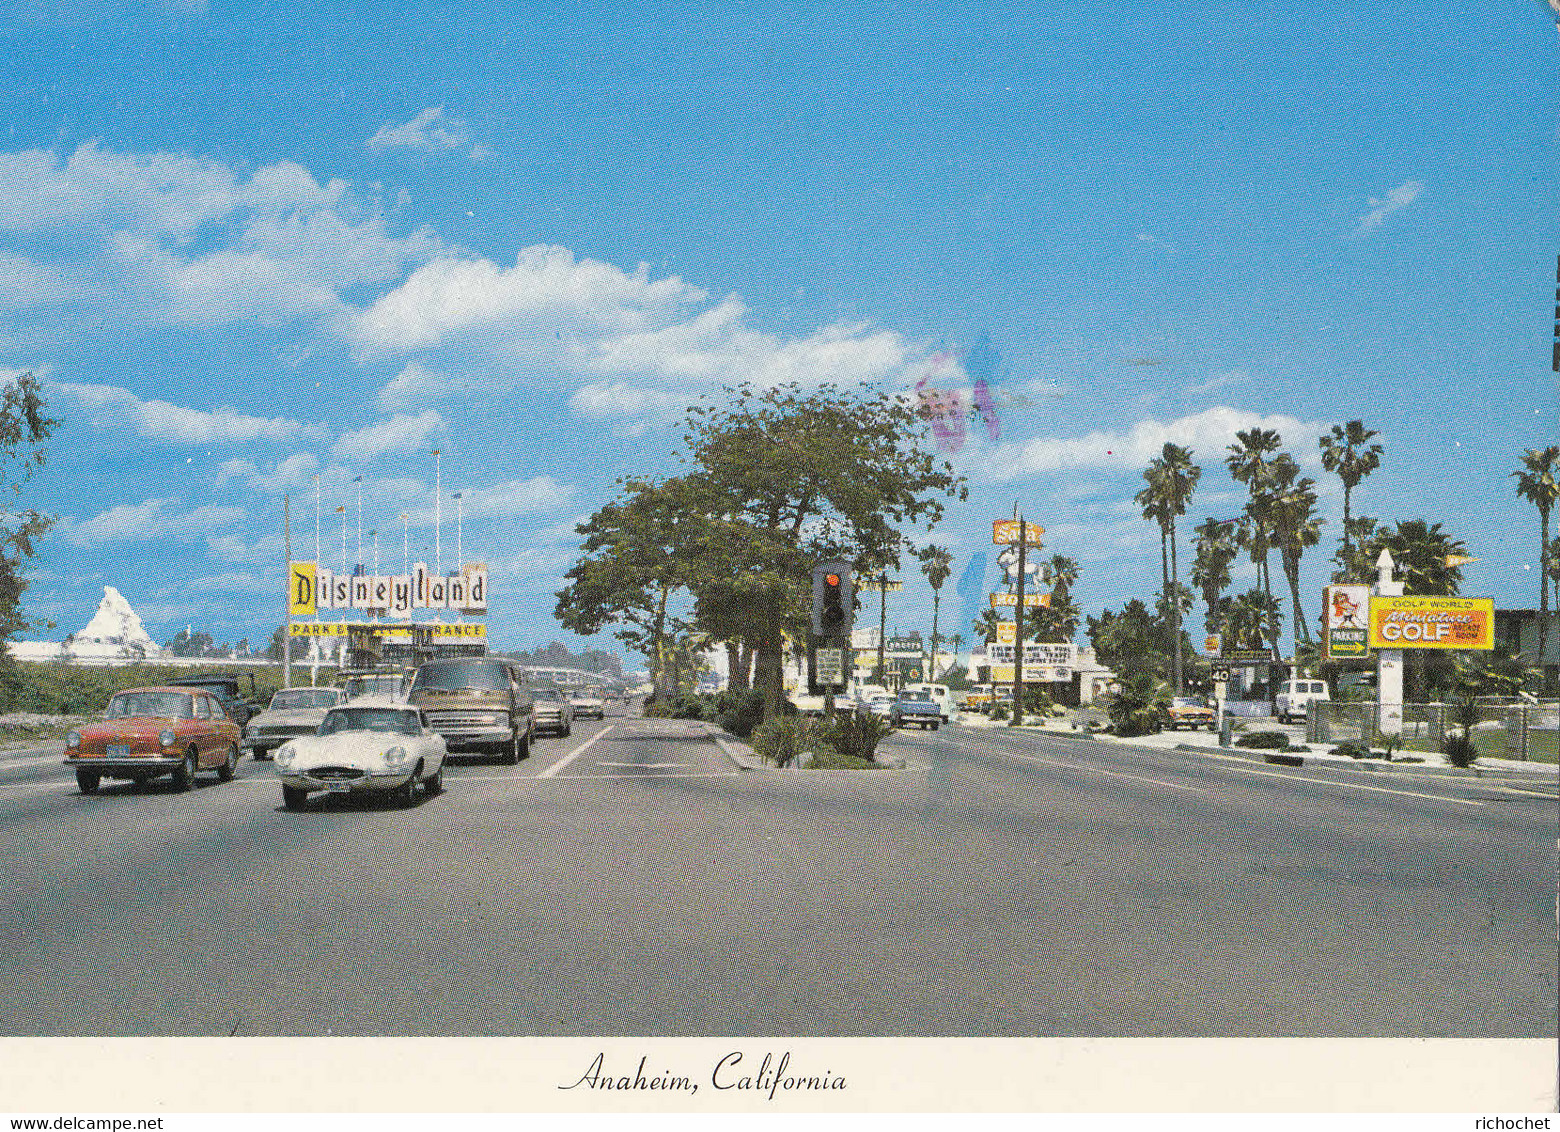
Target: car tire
[(933, 725), (184, 775), (405, 795), (509, 753), (294, 797), (523, 747), (433, 785), (229, 765), (87, 781)]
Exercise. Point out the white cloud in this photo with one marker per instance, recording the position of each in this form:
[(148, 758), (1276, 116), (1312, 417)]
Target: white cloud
[(546, 292), (109, 406), (504, 500), (274, 244), (290, 473), (429, 132), (1208, 434), (140, 522), (401, 433), (1398, 199), (417, 385)]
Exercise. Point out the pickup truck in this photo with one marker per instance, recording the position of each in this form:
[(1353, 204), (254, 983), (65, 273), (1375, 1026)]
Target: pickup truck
[(916, 708)]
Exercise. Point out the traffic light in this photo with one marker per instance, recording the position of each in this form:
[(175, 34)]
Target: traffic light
[(834, 599)]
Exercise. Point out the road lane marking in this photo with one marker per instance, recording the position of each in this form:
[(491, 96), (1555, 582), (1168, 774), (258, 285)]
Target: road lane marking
[(553, 770), (650, 766), (1110, 773), (1351, 785)]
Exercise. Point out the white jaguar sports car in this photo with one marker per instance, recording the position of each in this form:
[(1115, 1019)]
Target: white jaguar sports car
[(369, 746)]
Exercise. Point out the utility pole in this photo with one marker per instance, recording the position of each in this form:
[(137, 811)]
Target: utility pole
[(287, 553), (882, 625)]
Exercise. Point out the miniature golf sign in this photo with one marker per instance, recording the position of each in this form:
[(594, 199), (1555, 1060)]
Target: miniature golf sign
[(1004, 532), (1432, 623)]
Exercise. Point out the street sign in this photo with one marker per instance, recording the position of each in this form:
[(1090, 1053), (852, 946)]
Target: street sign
[(829, 667), (1212, 644), (1344, 613), (878, 586), (1031, 601), (1005, 532), (1221, 672), (1239, 657)]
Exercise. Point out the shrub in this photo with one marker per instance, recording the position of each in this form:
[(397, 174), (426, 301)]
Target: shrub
[(781, 741), (1265, 741), (1460, 750), (1354, 748), (999, 711), (741, 712), (856, 733), (1138, 708)]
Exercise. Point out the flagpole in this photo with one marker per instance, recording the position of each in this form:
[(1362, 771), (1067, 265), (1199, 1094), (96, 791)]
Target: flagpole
[(438, 550)]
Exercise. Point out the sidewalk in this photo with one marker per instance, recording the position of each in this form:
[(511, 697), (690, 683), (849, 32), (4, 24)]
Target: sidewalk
[(1314, 754)]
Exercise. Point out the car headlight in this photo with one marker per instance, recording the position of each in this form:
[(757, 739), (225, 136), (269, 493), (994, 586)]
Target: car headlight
[(72, 739), (167, 738), (397, 757), (285, 754)]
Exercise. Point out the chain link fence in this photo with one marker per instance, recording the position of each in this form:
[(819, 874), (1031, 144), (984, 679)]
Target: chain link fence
[(1523, 732)]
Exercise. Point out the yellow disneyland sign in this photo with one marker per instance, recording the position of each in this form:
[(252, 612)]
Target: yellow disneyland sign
[(312, 588), (1432, 623)]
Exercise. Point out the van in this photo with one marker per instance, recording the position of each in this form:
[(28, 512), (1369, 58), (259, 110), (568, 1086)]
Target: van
[(477, 703), (939, 695), (1294, 696)]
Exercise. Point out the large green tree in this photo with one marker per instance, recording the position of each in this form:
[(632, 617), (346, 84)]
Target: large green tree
[(634, 570), (1216, 551), (1172, 478), (24, 427), (1295, 529), (796, 475)]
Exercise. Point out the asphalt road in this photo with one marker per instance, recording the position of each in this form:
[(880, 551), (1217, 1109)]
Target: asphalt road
[(630, 880)]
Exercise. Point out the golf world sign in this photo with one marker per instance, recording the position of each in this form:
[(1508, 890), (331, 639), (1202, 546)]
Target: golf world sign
[(1432, 623)]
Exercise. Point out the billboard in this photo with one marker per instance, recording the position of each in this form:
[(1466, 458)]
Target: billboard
[(1432, 623), (311, 588)]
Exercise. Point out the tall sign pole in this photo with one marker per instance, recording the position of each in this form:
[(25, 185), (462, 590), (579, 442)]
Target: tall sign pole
[(882, 625), (1389, 662), (287, 552), (1018, 632)]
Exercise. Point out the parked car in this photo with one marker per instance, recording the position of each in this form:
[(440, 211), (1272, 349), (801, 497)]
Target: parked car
[(226, 689), (880, 703), (1295, 696), (589, 701), (916, 708), (477, 703), (367, 746), (149, 732), (553, 710), (946, 701), (1189, 711), (291, 713)]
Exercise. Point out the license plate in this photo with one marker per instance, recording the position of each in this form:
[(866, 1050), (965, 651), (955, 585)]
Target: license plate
[(338, 787), (118, 751)]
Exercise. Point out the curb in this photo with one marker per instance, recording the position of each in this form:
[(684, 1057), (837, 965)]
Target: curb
[(1367, 766)]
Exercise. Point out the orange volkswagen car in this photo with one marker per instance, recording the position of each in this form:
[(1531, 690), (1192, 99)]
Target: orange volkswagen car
[(147, 732)]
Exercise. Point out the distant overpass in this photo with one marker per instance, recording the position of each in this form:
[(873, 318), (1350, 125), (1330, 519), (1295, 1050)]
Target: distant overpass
[(570, 677)]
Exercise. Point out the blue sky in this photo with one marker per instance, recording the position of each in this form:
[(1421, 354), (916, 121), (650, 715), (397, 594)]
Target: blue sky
[(245, 244)]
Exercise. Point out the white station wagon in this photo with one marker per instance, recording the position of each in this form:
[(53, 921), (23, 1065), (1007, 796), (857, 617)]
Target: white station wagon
[(369, 746)]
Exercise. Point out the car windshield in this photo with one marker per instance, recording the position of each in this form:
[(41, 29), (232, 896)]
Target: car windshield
[(551, 694), (150, 705), (1188, 701), (370, 719), (918, 697), (477, 675), (370, 685), (305, 698)]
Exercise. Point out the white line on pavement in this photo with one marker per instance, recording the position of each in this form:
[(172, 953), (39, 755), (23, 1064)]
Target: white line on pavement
[(1110, 773), (552, 771), (1354, 786)]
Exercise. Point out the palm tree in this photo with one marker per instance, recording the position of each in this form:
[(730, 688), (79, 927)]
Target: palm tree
[(1216, 549), (936, 563), (1537, 483), (1296, 527), (1349, 453), (1172, 478), (955, 642), (1420, 554), (1060, 573), (986, 625), (1252, 618), (1249, 464)]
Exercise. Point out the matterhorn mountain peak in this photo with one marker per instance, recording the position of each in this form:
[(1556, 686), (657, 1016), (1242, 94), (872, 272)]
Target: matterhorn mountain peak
[(114, 626)]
